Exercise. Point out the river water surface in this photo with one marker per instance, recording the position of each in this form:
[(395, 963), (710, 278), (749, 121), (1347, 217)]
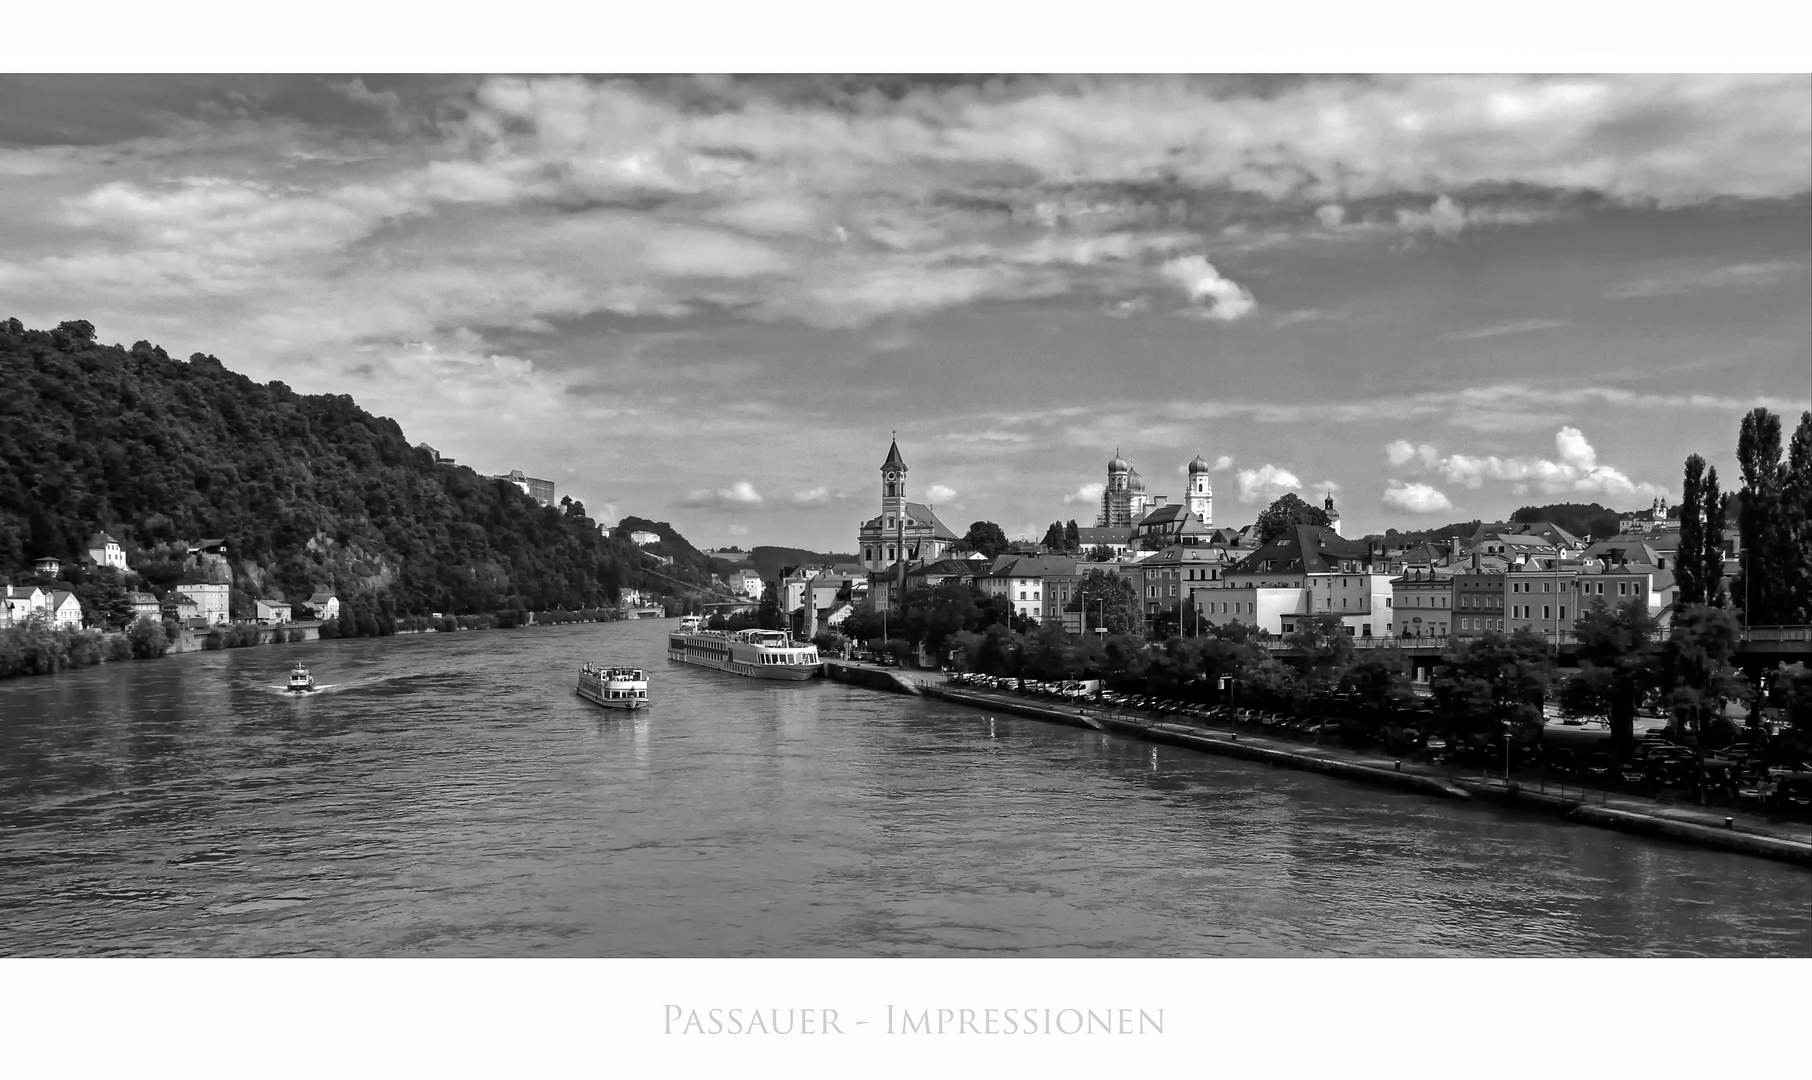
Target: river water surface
[(449, 794)]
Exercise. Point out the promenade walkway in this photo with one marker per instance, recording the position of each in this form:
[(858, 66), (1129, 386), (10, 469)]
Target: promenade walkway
[(1731, 830)]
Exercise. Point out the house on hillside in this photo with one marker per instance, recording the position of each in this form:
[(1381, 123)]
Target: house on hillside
[(323, 605), (271, 611), (211, 602), (181, 608), (19, 603), (145, 605), (49, 566), (64, 610), (104, 550), (642, 538)]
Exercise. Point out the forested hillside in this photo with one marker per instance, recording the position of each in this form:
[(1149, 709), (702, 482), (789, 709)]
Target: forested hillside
[(305, 490)]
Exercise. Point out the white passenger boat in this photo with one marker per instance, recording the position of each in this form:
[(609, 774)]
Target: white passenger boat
[(759, 654), (614, 687), (300, 681), (691, 624)]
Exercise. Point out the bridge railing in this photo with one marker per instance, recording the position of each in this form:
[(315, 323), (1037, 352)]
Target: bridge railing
[(1778, 633)]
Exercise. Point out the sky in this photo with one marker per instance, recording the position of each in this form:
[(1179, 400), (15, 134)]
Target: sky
[(712, 301)]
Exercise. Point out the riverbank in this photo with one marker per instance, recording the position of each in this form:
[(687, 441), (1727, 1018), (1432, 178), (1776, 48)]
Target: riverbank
[(1746, 834)]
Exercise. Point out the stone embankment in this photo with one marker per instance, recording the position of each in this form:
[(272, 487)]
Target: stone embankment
[(1746, 834)]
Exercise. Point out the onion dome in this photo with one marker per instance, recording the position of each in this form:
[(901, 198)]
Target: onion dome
[(1198, 465), (1134, 482), (1117, 464)]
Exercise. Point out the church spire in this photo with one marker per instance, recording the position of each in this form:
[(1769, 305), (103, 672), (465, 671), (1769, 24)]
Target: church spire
[(894, 460)]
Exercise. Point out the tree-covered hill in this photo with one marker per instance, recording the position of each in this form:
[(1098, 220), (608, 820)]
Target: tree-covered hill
[(306, 490)]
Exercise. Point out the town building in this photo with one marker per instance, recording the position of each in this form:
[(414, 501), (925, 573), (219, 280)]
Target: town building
[(271, 611), (1479, 596), (1021, 580), (1167, 525), (1540, 598), (1305, 570), (1422, 603), (642, 538), (48, 566), (145, 605), (903, 531), (1165, 581), (104, 550), (1116, 541), (746, 582), (1616, 584)]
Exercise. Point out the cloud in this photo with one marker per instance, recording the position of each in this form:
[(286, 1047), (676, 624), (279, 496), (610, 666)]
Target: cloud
[(740, 496), (1125, 309), (739, 530), (818, 496), (1444, 218), (938, 493), (1415, 498), (1401, 451), (1223, 463), (1226, 300), (1737, 276), (1087, 494), (1330, 215), (1519, 327), (1266, 483), (1577, 471)]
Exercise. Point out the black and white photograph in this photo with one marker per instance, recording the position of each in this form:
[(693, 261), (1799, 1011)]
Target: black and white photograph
[(463, 517)]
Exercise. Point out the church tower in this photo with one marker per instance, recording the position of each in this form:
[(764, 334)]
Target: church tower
[(893, 484), (1333, 514), (1201, 493), (1114, 497)]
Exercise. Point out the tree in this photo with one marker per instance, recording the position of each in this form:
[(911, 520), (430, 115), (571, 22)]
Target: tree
[(1491, 683), (1053, 537), (1767, 548), (1688, 565), (1287, 513), (1790, 691), (1617, 668), (1796, 514), (768, 615), (1697, 678), (987, 538), (936, 614), (1100, 553), (1328, 648), (1106, 598), (1072, 536), (1710, 552), (1379, 680)]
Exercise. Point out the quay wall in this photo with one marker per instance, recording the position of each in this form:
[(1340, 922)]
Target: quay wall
[(872, 677), (1513, 795)]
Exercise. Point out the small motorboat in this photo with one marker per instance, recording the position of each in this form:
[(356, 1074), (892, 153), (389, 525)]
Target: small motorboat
[(300, 681), (614, 687)]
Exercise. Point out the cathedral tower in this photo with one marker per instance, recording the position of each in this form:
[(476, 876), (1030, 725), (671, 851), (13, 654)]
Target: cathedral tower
[(1200, 496)]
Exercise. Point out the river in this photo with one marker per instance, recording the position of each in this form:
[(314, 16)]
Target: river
[(449, 794)]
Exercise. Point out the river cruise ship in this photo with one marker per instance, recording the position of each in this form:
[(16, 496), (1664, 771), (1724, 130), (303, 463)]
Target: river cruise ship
[(759, 654), (614, 687), (691, 624)]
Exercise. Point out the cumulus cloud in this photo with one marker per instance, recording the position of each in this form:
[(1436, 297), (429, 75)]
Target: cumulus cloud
[(1223, 463), (1266, 483), (1401, 451), (1087, 494), (818, 496), (1444, 218), (1330, 215), (938, 493), (1415, 498), (1215, 297), (739, 496), (1577, 470)]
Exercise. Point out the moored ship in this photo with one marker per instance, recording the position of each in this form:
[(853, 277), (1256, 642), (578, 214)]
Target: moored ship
[(758, 654), (691, 624), (614, 687)]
